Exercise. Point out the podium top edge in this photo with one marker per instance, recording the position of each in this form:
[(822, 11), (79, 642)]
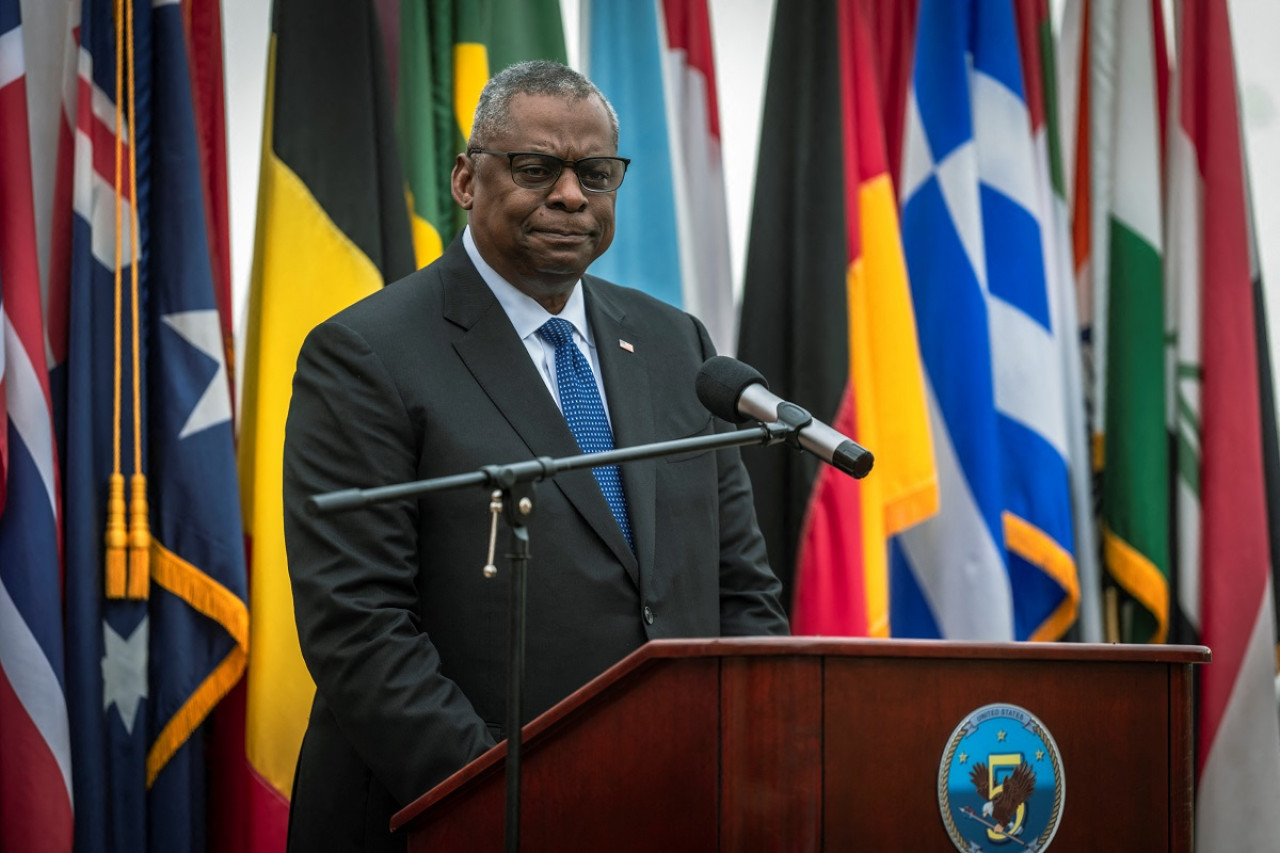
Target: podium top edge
[(860, 647)]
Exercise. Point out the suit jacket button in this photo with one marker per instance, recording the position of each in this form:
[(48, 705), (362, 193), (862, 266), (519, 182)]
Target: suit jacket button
[(648, 615)]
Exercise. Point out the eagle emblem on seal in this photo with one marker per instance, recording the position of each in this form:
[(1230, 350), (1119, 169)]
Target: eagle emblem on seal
[(1015, 791)]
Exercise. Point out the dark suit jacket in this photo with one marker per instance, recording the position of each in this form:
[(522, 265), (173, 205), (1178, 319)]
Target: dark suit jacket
[(404, 636)]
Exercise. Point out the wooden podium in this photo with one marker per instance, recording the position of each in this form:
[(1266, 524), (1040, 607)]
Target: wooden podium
[(826, 744)]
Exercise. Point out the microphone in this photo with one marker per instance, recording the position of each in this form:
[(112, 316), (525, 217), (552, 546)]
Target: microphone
[(736, 392)]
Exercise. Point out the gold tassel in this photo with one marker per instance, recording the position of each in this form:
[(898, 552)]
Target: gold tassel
[(139, 539), (116, 538)]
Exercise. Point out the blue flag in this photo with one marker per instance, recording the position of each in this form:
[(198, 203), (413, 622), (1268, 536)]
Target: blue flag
[(625, 61), (997, 561), (144, 673), (653, 61)]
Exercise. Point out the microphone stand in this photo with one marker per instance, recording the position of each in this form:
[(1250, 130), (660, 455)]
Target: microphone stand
[(516, 482)]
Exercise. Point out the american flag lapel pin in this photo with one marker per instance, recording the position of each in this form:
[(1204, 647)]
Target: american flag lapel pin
[(626, 345)]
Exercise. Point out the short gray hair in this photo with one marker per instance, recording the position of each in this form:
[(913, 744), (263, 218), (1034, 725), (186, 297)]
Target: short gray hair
[(537, 77)]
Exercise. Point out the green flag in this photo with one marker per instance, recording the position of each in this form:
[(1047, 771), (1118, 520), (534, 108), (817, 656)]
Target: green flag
[(448, 51), (1135, 479)]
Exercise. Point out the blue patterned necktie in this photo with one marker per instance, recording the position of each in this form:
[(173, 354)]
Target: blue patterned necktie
[(584, 412)]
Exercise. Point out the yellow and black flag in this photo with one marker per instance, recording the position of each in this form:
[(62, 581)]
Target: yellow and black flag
[(333, 226)]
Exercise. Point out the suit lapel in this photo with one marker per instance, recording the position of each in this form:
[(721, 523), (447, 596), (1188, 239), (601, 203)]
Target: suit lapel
[(500, 364), (626, 382)]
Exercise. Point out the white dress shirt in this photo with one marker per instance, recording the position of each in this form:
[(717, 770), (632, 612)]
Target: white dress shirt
[(528, 315)]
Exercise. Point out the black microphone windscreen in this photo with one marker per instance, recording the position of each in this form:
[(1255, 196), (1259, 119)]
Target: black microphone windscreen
[(721, 381)]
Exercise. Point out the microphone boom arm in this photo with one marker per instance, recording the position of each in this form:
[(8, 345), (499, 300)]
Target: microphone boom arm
[(544, 467)]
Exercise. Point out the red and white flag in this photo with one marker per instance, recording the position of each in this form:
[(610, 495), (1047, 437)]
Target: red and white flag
[(1223, 543), (35, 740)]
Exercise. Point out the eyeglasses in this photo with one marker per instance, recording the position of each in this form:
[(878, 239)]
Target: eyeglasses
[(535, 171)]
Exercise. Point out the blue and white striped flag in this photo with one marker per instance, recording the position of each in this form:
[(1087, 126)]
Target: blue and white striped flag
[(997, 562)]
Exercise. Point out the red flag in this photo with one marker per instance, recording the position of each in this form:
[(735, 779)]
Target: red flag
[(202, 20), (1224, 547), (35, 770)]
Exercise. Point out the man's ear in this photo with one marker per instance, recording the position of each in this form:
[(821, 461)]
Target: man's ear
[(462, 182)]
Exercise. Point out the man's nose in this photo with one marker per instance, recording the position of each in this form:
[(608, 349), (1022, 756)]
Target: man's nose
[(567, 190)]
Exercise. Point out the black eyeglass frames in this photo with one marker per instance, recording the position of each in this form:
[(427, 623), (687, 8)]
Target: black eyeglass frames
[(535, 171)]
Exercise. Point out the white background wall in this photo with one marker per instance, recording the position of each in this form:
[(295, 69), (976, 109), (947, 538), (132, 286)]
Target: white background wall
[(741, 30)]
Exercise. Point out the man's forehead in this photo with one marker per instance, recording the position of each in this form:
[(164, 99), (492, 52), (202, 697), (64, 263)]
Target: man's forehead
[(553, 119)]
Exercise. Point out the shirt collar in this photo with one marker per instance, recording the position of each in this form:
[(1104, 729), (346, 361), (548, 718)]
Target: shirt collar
[(525, 312)]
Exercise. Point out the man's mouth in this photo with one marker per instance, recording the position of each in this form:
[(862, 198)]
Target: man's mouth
[(562, 236)]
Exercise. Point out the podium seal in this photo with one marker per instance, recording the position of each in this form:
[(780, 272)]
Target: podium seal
[(1000, 783)]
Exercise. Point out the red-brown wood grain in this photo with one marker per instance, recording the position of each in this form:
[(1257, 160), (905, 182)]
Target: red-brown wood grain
[(803, 744), (771, 753)]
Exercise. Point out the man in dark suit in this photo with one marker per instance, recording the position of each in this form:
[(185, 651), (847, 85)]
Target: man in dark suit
[(451, 369)]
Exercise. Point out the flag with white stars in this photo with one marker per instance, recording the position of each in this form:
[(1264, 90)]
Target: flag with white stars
[(145, 674)]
